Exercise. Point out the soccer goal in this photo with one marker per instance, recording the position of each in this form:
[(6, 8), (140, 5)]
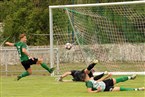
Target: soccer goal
[(113, 33)]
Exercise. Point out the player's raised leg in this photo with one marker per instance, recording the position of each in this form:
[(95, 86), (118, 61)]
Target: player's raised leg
[(89, 68), (97, 77), (124, 78), (44, 65)]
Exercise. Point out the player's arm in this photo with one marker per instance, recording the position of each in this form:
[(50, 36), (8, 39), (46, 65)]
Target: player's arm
[(95, 91), (25, 52), (64, 75), (106, 77), (9, 44)]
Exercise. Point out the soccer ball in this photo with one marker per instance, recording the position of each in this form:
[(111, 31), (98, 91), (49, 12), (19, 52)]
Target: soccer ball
[(68, 46)]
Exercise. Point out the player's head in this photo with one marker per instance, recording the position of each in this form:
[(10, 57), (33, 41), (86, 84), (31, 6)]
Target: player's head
[(23, 37)]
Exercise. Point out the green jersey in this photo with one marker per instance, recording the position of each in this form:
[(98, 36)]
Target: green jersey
[(94, 85), (19, 46)]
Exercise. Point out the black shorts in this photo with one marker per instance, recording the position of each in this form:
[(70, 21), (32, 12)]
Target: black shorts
[(109, 84), (77, 75), (91, 74), (73, 72), (26, 64)]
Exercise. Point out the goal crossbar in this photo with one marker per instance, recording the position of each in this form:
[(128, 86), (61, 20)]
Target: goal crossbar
[(97, 4)]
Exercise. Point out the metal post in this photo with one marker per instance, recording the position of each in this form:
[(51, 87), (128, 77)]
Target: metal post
[(57, 56), (73, 24), (51, 38)]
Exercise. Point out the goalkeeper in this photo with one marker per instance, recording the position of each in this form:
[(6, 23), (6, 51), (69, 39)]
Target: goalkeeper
[(26, 59), (105, 84), (77, 74)]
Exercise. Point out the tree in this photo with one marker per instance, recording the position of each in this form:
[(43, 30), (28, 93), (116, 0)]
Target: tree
[(32, 17)]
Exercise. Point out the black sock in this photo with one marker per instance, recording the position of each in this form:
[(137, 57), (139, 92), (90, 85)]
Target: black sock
[(91, 66), (98, 76)]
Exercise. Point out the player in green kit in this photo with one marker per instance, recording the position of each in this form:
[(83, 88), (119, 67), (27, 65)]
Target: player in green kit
[(105, 84), (25, 58)]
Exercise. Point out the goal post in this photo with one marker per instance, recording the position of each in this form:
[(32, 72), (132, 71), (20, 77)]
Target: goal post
[(113, 33)]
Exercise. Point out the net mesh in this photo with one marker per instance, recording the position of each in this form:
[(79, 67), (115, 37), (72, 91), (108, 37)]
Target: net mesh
[(112, 34)]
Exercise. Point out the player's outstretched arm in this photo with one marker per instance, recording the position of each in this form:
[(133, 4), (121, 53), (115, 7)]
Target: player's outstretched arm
[(25, 52), (106, 77), (64, 75), (96, 91), (9, 44)]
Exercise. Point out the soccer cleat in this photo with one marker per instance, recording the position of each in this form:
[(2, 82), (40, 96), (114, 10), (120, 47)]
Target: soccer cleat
[(106, 72), (140, 89), (18, 78), (95, 61), (133, 76), (51, 70)]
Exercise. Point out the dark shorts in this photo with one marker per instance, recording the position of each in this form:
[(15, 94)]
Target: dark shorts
[(109, 84), (90, 74), (77, 75), (28, 63)]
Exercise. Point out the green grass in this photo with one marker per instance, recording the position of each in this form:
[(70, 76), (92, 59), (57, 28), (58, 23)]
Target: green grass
[(63, 67), (46, 86)]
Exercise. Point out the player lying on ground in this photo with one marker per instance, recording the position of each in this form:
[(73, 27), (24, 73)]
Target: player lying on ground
[(25, 58), (105, 84), (77, 74)]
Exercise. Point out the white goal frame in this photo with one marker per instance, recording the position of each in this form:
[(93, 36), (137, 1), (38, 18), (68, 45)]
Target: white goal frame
[(82, 5)]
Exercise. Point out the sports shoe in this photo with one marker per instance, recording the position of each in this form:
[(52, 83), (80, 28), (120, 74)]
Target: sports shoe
[(51, 70), (95, 61), (141, 89), (133, 76), (18, 78), (106, 72)]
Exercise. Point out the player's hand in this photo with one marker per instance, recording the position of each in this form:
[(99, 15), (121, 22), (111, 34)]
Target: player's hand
[(7, 43), (31, 58), (110, 74), (99, 89)]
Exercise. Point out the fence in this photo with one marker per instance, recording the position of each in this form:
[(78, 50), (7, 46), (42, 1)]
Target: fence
[(10, 63)]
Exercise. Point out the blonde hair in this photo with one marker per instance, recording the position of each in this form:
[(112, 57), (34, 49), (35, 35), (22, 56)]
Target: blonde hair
[(22, 35)]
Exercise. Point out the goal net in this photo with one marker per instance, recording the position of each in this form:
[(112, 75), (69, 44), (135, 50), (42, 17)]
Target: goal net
[(113, 33)]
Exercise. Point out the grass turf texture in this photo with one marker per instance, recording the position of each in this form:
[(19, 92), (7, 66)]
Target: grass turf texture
[(46, 86)]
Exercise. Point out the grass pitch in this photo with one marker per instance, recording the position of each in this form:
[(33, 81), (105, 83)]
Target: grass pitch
[(46, 86)]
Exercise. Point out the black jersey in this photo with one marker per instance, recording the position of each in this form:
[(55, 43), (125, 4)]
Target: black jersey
[(78, 75)]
